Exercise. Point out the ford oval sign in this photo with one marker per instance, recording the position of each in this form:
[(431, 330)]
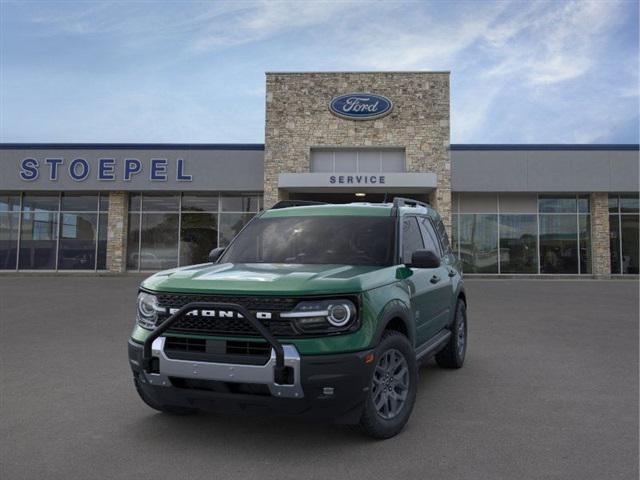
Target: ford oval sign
[(360, 106)]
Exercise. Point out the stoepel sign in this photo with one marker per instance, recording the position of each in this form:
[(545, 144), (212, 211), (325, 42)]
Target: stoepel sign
[(360, 106), (106, 169)]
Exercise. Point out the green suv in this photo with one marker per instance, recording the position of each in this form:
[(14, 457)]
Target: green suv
[(315, 310)]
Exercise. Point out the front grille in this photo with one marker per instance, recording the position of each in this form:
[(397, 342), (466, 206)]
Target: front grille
[(230, 326)]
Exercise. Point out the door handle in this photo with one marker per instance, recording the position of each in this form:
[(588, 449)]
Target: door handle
[(435, 279), (452, 272)]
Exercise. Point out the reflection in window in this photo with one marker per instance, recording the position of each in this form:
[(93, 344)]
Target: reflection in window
[(518, 244), (198, 236), (558, 244), (478, 240), (38, 238), (623, 233), (230, 225), (159, 241), (9, 223), (557, 204), (78, 235), (585, 243)]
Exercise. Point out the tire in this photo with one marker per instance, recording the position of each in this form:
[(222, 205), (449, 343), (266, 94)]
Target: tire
[(452, 355), (390, 419), (173, 410)]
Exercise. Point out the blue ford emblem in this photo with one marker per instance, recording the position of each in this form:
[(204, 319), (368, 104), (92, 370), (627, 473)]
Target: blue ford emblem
[(360, 106)]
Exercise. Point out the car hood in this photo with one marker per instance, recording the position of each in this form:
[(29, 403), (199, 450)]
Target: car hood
[(270, 279)]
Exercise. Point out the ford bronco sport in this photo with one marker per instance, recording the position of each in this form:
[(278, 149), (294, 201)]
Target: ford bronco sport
[(322, 311)]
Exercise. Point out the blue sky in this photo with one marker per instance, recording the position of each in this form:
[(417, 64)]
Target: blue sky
[(521, 72)]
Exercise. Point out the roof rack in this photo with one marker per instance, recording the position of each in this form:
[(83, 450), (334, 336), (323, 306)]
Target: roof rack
[(408, 202), (295, 203)]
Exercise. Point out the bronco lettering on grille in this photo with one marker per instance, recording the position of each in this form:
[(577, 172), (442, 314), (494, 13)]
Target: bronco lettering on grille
[(222, 314)]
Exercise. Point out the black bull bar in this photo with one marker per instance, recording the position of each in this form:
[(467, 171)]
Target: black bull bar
[(279, 370)]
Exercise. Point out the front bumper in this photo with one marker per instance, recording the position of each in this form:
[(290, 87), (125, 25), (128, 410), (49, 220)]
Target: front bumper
[(317, 386)]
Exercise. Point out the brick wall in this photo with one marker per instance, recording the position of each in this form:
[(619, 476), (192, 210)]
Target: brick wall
[(600, 249), (298, 119), (117, 232)]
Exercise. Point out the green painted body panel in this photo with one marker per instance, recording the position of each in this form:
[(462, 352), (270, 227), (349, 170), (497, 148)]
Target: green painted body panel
[(373, 303), (381, 288), (270, 279)]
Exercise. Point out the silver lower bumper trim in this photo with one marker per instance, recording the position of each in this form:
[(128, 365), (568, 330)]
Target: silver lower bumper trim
[(228, 372)]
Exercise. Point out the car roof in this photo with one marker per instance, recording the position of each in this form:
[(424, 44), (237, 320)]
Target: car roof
[(363, 209)]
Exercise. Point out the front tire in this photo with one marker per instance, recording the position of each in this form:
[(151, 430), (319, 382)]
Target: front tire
[(452, 355), (393, 387)]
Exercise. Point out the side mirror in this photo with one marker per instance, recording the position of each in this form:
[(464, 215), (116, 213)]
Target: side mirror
[(424, 259), (215, 254)]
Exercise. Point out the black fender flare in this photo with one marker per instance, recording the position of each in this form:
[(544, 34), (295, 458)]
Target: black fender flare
[(392, 310)]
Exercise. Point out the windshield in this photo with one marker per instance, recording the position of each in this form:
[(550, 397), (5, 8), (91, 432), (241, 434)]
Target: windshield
[(342, 240)]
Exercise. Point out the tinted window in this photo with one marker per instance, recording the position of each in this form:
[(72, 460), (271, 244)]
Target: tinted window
[(344, 240), (429, 236), (411, 238)]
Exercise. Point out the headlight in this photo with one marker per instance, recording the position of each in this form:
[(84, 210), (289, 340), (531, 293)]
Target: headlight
[(323, 315), (147, 310)]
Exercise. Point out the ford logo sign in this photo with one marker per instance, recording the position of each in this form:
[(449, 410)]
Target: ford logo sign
[(360, 106)]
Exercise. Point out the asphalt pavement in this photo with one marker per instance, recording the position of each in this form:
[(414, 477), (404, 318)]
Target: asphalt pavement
[(549, 391)]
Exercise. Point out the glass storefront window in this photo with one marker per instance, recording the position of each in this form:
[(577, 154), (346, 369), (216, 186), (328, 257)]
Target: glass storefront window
[(160, 202), (78, 235), (239, 203), (518, 244), (630, 245), (79, 202), (9, 224), (198, 236), (558, 244), (169, 230), (584, 236), (478, 242), (200, 202), (38, 239), (133, 241), (623, 233), (629, 204), (557, 204), (159, 241), (9, 202)]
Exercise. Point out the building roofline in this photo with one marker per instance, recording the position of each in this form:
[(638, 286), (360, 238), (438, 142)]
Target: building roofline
[(544, 146), (132, 146), (285, 72), (260, 146)]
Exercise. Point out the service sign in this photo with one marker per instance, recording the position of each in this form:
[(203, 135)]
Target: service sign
[(360, 106)]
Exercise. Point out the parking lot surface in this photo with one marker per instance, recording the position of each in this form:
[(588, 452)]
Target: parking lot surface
[(549, 390)]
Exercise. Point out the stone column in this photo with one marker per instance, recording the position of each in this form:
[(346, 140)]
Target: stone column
[(600, 250), (117, 232)]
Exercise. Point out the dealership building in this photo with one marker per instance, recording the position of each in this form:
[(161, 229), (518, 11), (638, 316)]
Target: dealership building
[(335, 137)]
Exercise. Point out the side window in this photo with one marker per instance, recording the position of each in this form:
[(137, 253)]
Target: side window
[(411, 238), (444, 238), (430, 238)]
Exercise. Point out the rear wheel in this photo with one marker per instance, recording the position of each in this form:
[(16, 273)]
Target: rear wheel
[(452, 356), (392, 391), (161, 408)]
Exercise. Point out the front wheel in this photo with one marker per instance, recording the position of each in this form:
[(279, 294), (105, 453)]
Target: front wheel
[(452, 355), (393, 387)]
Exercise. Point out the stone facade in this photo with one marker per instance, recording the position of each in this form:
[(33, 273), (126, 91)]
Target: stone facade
[(600, 248), (117, 231), (298, 119)]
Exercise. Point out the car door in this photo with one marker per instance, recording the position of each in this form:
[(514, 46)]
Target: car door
[(438, 307), (419, 284)]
